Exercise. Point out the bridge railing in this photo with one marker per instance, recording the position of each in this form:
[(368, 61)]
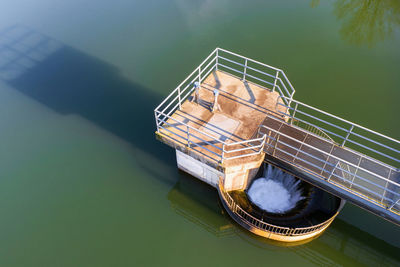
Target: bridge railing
[(346, 133), (317, 131), (364, 177)]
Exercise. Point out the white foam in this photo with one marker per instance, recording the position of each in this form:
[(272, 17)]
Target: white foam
[(276, 192)]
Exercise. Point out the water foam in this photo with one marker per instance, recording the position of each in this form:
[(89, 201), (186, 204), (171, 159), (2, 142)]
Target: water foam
[(276, 192)]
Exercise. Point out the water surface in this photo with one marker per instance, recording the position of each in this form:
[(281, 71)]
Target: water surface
[(83, 182)]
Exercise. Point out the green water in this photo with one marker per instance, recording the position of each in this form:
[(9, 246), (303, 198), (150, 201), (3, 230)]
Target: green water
[(83, 182)]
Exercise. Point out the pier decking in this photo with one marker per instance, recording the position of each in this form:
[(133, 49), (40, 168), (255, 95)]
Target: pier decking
[(242, 107)]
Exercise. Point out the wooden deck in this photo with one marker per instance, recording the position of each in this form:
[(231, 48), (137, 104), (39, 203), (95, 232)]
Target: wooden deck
[(242, 108)]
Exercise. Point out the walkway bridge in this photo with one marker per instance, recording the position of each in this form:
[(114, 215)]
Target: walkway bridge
[(256, 116)]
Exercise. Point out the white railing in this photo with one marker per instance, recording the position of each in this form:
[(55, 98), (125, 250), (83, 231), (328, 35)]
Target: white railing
[(220, 59), (317, 131), (254, 222), (221, 150), (346, 133), (364, 181), (250, 70)]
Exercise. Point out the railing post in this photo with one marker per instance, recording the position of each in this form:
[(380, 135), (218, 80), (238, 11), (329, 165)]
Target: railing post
[(188, 135), (333, 170), (355, 171), (386, 185), (347, 136), (276, 144), (276, 79), (216, 64), (265, 137), (245, 70), (155, 115), (300, 147), (291, 98), (326, 161), (199, 76), (294, 113), (179, 97)]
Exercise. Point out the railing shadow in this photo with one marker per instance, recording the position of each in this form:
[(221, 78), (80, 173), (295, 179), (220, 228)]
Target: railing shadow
[(217, 81), (252, 99)]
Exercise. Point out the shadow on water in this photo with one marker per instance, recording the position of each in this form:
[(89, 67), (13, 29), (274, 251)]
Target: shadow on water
[(71, 82), (341, 243)]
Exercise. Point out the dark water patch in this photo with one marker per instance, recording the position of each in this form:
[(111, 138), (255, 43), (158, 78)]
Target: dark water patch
[(71, 82)]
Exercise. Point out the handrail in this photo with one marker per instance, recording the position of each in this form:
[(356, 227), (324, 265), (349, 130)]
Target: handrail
[(224, 144), (260, 224), (208, 135), (323, 152), (246, 67), (390, 187), (319, 132), (349, 131), (344, 120)]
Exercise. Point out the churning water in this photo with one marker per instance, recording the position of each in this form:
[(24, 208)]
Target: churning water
[(276, 191)]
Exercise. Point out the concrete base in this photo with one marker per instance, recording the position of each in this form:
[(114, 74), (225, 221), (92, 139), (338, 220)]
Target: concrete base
[(198, 169), (235, 177)]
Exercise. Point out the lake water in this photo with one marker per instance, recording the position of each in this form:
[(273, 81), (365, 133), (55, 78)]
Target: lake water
[(83, 182)]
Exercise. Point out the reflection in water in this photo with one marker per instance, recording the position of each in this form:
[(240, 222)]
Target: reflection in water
[(341, 244), (196, 13), (366, 21), (199, 203)]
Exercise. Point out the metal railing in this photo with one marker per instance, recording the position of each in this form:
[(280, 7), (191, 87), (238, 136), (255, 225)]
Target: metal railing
[(345, 133), (223, 60), (222, 150), (317, 131), (253, 71), (191, 137), (264, 226), (360, 180)]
